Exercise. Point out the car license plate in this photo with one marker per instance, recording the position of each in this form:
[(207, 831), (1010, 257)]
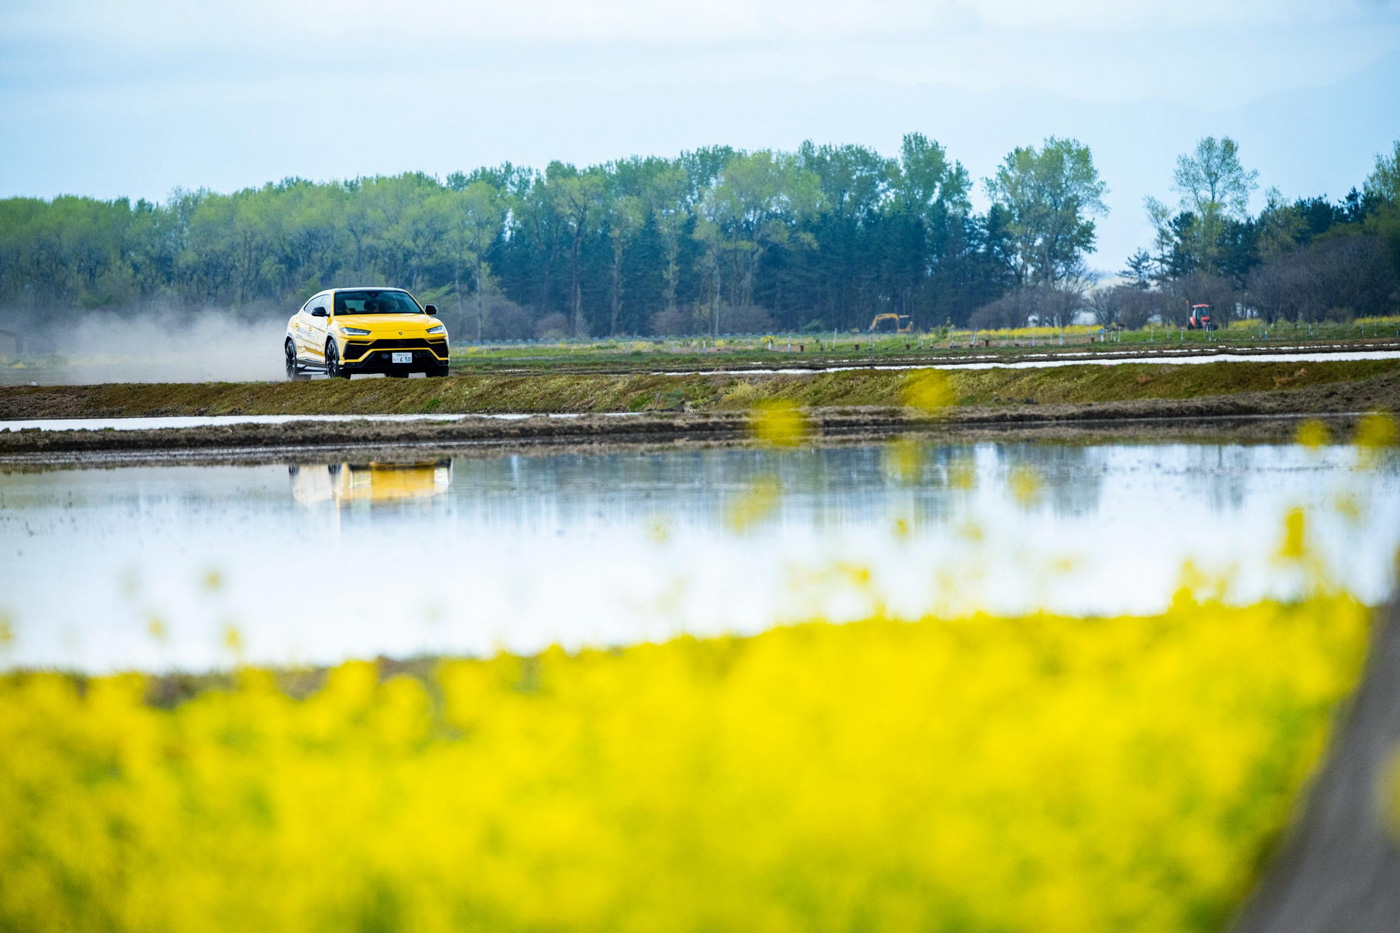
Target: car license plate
[(403, 358)]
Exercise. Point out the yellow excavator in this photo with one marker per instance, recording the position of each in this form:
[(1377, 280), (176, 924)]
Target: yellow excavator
[(896, 319)]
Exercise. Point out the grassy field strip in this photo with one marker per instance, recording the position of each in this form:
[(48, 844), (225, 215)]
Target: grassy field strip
[(543, 393)]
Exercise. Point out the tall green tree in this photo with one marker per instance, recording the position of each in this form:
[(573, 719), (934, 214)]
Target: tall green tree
[(1211, 180), (474, 214), (1383, 183), (755, 206), (1382, 192), (1214, 188), (578, 200), (1050, 194), (625, 214), (667, 198)]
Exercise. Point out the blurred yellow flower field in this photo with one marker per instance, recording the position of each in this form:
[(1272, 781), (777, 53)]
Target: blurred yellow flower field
[(1037, 773)]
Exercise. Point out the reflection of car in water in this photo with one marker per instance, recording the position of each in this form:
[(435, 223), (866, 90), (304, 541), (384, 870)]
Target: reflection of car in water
[(365, 330), (369, 482)]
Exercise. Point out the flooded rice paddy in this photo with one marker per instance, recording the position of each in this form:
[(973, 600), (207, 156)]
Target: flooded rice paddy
[(1055, 360), (192, 567)]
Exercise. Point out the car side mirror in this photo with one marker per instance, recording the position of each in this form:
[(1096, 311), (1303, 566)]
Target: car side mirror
[(318, 311), (431, 309)]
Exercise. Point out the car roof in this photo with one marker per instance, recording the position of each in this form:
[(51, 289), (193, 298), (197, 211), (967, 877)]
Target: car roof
[(368, 288)]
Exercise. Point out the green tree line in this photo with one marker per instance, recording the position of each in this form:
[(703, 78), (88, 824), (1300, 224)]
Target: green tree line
[(717, 240), (1305, 259)]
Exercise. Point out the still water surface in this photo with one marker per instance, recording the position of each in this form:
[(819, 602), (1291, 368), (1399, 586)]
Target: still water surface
[(154, 567)]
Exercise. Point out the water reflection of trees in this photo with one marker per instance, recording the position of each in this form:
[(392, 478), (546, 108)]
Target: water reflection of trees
[(1221, 473), (821, 487), (1071, 476)]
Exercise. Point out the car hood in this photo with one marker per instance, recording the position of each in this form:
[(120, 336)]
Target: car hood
[(381, 323)]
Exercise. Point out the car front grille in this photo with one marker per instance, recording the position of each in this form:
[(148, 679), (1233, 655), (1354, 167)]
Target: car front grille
[(354, 350)]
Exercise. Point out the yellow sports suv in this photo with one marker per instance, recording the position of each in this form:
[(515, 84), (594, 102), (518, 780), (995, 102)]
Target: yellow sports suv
[(342, 331)]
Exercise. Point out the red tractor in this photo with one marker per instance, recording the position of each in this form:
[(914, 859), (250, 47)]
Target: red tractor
[(1200, 318)]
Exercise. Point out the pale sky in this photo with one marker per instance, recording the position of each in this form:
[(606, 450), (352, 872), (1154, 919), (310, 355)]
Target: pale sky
[(135, 98)]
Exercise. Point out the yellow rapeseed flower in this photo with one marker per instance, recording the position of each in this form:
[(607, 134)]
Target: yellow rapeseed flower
[(1374, 433), (1294, 544), (929, 390), (1313, 434), (962, 473), (904, 457), (1025, 485), (1348, 506), (1013, 774), (756, 503), (232, 638), (1390, 794), (780, 423)]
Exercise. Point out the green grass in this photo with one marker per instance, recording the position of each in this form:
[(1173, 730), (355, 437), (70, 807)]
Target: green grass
[(585, 393), (630, 354)]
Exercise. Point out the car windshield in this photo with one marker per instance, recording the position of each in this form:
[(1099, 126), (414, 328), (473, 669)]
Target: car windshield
[(375, 301)]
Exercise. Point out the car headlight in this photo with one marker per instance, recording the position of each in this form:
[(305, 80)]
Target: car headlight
[(354, 332), (439, 329)]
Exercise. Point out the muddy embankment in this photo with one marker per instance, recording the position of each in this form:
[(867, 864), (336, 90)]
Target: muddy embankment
[(1306, 386), (1242, 401), (1203, 421)]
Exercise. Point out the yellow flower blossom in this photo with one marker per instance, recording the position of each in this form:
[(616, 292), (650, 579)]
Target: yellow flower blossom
[(157, 629), (780, 423), (1376, 429), (979, 773), (1313, 434), (232, 638), (1390, 794), (904, 458), (929, 390), (1294, 544), (1374, 433), (1025, 484), (758, 502), (962, 474)]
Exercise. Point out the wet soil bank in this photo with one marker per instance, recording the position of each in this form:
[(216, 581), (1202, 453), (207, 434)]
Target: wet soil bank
[(1248, 417), (1351, 384)]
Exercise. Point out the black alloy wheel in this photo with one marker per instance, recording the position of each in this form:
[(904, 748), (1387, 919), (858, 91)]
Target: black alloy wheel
[(294, 372), (333, 367)]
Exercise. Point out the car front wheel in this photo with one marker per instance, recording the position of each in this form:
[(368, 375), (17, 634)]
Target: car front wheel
[(333, 367)]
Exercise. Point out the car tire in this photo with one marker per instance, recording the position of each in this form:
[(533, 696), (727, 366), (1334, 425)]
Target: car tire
[(333, 367), (294, 370), (437, 371)]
